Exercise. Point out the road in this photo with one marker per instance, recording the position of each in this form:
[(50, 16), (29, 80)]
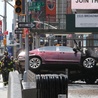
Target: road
[(82, 90), (76, 90)]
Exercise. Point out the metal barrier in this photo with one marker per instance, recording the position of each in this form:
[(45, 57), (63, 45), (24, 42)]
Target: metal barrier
[(47, 86), (51, 85)]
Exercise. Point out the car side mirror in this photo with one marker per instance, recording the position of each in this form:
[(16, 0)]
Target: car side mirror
[(75, 50)]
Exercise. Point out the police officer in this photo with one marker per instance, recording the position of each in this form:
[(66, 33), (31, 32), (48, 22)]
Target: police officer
[(5, 67)]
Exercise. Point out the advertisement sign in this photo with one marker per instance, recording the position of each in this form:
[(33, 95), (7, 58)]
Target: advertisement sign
[(72, 24), (51, 10), (84, 4), (86, 20)]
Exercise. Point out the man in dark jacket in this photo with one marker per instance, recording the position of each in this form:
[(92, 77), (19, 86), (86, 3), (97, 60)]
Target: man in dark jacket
[(6, 67)]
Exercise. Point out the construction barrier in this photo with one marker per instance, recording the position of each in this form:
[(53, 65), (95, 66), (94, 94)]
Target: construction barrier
[(14, 85)]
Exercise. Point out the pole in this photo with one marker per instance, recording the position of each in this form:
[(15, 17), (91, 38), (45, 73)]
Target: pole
[(5, 26), (20, 36), (26, 45), (2, 16), (62, 14), (9, 4)]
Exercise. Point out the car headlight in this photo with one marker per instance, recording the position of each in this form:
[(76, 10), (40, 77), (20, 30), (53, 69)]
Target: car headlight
[(22, 53)]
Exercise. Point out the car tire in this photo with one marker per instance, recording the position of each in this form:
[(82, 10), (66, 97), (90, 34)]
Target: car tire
[(35, 64), (89, 63)]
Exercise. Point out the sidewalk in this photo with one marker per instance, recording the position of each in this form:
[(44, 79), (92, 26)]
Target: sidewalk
[(3, 89)]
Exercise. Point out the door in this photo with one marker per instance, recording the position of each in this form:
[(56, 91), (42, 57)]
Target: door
[(67, 55)]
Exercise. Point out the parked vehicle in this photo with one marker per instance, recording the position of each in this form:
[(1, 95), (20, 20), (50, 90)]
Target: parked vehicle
[(51, 55), (59, 55), (60, 58)]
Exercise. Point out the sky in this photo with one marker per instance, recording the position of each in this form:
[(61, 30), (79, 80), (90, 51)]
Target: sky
[(9, 14)]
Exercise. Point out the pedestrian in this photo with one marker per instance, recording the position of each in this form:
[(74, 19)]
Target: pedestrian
[(13, 66), (6, 67)]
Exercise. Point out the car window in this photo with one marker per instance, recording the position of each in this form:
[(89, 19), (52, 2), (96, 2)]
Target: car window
[(41, 49), (65, 49), (48, 48)]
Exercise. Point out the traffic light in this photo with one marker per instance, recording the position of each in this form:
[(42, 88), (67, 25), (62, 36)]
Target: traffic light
[(18, 6)]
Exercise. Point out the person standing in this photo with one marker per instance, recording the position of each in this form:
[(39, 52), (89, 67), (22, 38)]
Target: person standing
[(6, 67)]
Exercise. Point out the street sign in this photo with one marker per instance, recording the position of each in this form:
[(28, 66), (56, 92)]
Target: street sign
[(26, 31), (19, 31), (5, 33), (36, 6), (26, 25)]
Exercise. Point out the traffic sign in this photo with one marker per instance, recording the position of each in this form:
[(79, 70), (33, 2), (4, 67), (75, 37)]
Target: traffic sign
[(26, 25), (5, 33), (36, 6), (26, 31), (19, 31)]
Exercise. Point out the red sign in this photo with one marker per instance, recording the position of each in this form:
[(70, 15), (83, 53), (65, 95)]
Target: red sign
[(51, 10), (26, 31), (0, 25), (5, 33)]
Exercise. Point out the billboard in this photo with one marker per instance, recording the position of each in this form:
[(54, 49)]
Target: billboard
[(72, 24), (86, 20), (84, 4), (51, 10)]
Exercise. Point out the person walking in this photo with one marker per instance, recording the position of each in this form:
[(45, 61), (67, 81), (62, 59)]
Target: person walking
[(6, 66)]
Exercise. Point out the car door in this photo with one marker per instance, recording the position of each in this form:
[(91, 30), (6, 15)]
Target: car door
[(50, 54), (66, 54)]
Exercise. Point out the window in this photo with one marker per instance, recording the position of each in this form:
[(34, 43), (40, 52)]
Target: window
[(65, 49)]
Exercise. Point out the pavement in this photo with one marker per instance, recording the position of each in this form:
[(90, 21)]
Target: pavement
[(3, 89)]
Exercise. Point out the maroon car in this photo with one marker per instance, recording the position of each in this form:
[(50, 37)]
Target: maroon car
[(56, 56)]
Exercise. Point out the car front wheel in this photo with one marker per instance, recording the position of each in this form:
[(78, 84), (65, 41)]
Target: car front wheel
[(35, 63), (89, 62)]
